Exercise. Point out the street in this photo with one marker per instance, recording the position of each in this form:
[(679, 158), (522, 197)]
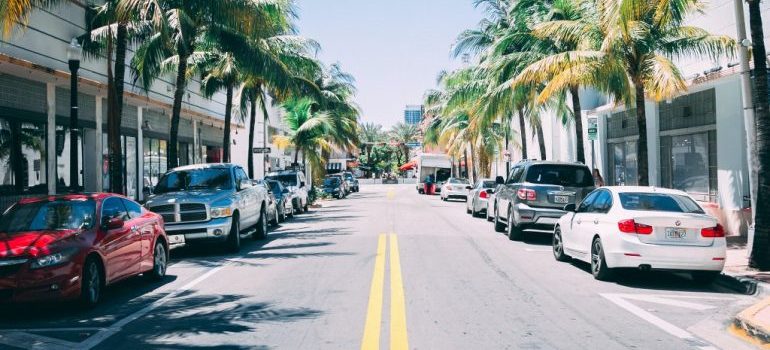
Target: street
[(386, 268)]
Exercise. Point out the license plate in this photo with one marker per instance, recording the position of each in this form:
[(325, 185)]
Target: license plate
[(561, 199), (675, 233), (175, 239)]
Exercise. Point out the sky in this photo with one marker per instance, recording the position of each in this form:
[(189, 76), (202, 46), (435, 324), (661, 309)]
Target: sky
[(394, 48)]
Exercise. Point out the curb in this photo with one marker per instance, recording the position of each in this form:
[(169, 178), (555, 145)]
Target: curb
[(747, 321)]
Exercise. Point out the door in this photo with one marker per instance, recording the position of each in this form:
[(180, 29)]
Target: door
[(121, 246), (596, 221), (143, 223), (573, 239), (507, 192), (249, 205)]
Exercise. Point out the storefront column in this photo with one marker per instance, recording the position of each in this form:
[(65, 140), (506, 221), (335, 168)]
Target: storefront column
[(140, 153), (196, 144), (50, 152), (653, 143), (98, 154)]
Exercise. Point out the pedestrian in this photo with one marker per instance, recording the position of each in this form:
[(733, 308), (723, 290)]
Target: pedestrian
[(428, 185), (598, 180)]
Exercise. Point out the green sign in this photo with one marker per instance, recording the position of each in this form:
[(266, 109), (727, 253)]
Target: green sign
[(593, 128)]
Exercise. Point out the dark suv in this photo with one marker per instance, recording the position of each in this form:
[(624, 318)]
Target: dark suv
[(534, 196)]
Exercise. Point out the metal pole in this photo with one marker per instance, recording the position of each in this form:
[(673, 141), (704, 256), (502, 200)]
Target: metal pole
[(593, 154), (74, 65), (507, 155), (748, 106)]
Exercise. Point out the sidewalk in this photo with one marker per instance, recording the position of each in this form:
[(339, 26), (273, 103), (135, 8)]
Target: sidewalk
[(752, 323)]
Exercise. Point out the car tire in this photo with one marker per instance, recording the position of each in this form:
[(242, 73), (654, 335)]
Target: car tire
[(234, 238), (305, 208), (159, 262), (704, 277), (489, 218), (282, 214), (599, 268), (92, 283), (515, 233), (261, 226), (499, 226), (468, 210), (558, 246), (291, 212), (275, 220)]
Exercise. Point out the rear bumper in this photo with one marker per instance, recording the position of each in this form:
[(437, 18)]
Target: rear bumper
[(545, 218), (214, 229), (480, 204), (455, 194), (630, 252)]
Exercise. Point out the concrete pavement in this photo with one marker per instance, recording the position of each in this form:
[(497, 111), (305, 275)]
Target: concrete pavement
[(392, 268)]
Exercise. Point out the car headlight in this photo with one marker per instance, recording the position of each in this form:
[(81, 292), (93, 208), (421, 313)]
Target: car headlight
[(221, 212), (52, 259)]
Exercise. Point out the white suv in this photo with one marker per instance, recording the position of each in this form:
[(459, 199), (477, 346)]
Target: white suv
[(296, 183)]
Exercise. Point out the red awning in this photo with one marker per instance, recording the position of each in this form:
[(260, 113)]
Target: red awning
[(408, 166)]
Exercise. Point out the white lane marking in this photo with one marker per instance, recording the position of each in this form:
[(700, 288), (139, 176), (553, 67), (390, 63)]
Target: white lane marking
[(654, 320), (538, 250), (671, 302), (102, 335)]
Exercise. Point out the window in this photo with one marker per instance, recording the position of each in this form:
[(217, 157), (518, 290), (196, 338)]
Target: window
[(63, 161), (134, 209), (113, 208), (587, 202), (561, 175), (459, 181), (22, 158), (623, 164), (205, 179), (603, 202), (154, 160), (515, 175), (688, 163), (49, 215), (659, 202), (489, 184)]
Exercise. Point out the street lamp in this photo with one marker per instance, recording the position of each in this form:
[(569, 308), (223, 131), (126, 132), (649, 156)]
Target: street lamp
[(74, 52)]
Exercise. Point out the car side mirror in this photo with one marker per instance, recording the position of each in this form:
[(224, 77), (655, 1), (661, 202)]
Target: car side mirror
[(285, 190), (113, 223), (302, 184), (468, 187), (499, 180), (570, 207)]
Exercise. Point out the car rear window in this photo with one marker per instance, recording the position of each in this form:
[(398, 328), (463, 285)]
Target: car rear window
[(659, 202), (562, 175), (459, 181), (489, 184)]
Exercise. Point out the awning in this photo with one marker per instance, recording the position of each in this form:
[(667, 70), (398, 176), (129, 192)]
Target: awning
[(408, 166)]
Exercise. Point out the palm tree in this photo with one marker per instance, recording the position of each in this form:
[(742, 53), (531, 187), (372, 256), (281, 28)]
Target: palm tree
[(639, 40), (403, 134), (759, 253), (15, 13), (308, 130), (369, 135), (222, 71)]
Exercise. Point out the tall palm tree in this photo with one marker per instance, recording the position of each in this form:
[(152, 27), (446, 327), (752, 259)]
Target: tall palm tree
[(15, 13), (639, 40), (369, 135), (403, 134), (759, 253), (308, 130)]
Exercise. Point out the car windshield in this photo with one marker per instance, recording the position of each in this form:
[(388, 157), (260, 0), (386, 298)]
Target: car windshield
[(349, 177), (49, 215), (331, 181), (659, 202), (286, 179), (560, 175), (198, 179), (275, 186), (459, 181)]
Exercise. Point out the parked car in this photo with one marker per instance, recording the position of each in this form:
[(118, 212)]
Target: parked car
[(283, 199), (334, 186), (272, 203), (641, 227), (490, 212), (478, 194), (71, 246), (343, 182), (297, 185), (534, 195), (210, 202), (455, 188), (351, 180)]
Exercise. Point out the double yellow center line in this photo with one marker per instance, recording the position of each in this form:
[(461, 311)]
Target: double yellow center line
[(398, 335)]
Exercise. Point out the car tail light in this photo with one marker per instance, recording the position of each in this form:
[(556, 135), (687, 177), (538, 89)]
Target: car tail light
[(716, 231), (448, 187), (483, 194), (526, 194), (630, 226)]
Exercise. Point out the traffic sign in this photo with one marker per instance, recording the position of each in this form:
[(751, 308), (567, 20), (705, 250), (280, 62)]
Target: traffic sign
[(261, 150), (593, 128)]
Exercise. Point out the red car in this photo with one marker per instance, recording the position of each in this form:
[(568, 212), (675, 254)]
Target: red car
[(72, 246)]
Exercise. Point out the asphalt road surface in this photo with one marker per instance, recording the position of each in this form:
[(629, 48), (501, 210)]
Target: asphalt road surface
[(386, 268)]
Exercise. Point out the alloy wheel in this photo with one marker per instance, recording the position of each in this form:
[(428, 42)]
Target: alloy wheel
[(160, 260), (596, 257)]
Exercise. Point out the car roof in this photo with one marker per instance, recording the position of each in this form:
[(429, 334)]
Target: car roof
[(644, 189), (70, 196), (204, 166), (547, 162), (283, 172)]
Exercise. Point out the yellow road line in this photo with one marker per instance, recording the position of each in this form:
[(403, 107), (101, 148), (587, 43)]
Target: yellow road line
[(371, 339), (398, 335), (391, 194)]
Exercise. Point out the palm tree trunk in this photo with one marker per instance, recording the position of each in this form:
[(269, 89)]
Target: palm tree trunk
[(228, 119), (523, 134), (176, 111), (265, 119), (760, 253), (252, 122), (115, 108), (641, 146), (296, 155), (576, 110), (540, 140)]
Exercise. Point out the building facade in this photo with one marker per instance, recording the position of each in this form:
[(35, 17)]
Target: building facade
[(413, 114)]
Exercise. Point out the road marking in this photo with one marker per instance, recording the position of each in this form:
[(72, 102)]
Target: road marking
[(398, 334), (671, 302), (103, 335), (371, 339), (654, 320), (391, 194)]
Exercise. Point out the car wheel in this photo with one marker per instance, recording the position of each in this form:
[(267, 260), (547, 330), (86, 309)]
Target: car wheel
[(515, 233), (91, 285), (558, 246), (704, 277), (291, 211), (598, 263), (159, 262), (305, 207), (234, 238), (261, 226), (282, 214), (489, 218), (467, 209), (274, 221), (499, 226)]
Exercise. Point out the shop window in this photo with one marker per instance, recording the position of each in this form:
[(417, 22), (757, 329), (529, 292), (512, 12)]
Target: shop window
[(22, 158), (63, 161), (689, 164), (623, 170), (154, 160), (213, 154)]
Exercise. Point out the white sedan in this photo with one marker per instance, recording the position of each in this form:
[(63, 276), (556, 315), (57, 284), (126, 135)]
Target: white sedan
[(641, 227)]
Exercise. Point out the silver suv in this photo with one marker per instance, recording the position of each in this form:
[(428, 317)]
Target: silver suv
[(534, 195)]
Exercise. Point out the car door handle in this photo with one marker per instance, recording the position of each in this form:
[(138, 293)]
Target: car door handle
[(134, 228), (596, 221), (579, 221)]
